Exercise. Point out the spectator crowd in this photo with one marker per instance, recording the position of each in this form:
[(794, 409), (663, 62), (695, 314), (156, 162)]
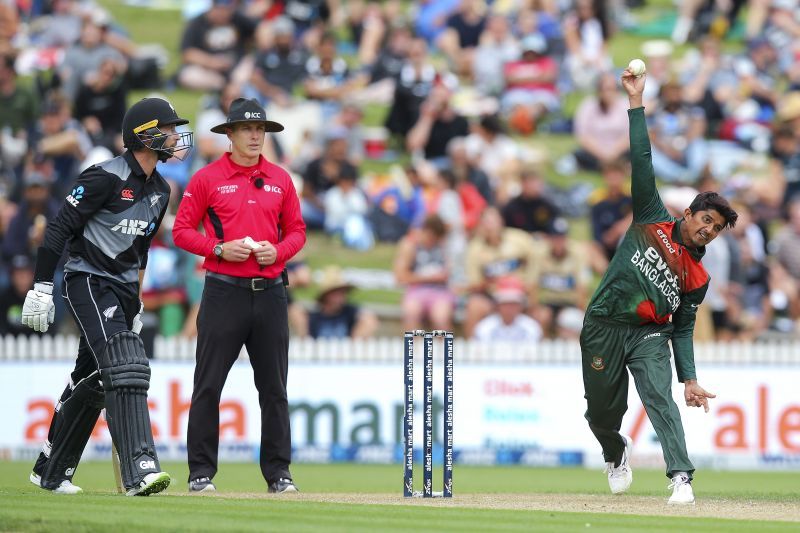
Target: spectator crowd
[(459, 173)]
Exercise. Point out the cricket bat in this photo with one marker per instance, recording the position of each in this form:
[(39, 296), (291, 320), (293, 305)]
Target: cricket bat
[(115, 462), (117, 471)]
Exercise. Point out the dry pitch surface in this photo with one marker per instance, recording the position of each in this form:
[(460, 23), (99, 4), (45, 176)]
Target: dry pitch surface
[(569, 503)]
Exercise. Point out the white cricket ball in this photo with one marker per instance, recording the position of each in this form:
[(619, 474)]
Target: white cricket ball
[(637, 67)]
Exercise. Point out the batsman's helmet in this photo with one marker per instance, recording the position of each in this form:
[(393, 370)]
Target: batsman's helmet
[(141, 128)]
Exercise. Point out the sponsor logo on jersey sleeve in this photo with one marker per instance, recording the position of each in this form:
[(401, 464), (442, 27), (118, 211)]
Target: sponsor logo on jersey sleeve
[(74, 197)]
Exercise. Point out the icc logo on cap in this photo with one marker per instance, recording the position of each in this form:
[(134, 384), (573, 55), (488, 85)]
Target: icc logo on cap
[(247, 114)]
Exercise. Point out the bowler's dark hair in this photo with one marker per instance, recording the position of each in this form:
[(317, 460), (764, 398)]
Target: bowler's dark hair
[(708, 200)]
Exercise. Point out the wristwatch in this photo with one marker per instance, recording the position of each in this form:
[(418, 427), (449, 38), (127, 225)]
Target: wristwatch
[(218, 249)]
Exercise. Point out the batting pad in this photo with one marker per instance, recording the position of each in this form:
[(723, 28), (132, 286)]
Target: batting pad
[(126, 378), (73, 422)]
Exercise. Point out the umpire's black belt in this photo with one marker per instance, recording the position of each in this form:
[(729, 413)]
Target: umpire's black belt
[(254, 284)]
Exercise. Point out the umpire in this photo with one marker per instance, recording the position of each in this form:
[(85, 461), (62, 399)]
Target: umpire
[(109, 220), (253, 226)]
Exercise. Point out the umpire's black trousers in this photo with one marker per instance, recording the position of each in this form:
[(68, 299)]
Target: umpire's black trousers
[(232, 316)]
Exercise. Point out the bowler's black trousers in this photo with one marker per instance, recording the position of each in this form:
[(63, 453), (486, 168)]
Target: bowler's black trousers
[(230, 317)]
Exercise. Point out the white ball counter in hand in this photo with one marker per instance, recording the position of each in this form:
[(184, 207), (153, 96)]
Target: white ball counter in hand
[(637, 67)]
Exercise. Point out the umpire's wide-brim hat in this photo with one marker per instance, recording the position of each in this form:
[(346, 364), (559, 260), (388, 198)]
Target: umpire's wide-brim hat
[(244, 110)]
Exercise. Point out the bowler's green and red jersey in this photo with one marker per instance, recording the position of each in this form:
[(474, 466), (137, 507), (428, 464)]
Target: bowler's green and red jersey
[(653, 277)]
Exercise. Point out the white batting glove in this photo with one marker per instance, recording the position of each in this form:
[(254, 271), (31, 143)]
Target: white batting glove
[(38, 311), (137, 319)]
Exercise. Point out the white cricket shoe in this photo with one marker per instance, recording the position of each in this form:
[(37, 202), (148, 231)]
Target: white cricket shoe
[(620, 477), (66, 486), (152, 483), (682, 493), (202, 484)]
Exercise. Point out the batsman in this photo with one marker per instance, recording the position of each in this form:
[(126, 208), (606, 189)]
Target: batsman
[(647, 299), (108, 221)]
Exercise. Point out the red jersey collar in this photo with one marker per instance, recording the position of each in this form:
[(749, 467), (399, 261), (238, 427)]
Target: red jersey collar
[(231, 168)]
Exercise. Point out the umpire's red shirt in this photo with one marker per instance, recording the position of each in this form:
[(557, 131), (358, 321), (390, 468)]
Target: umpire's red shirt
[(225, 197)]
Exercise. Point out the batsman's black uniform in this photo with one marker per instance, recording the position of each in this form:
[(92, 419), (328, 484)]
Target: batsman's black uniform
[(109, 219)]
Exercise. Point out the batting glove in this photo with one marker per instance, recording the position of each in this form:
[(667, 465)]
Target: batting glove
[(137, 319), (38, 311)]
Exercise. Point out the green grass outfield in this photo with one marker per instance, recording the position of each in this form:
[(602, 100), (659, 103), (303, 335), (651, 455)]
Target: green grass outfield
[(367, 498)]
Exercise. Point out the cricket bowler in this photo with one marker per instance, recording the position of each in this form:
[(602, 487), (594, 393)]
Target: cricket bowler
[(648, 297)]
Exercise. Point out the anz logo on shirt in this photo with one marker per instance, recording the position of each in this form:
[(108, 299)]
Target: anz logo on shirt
[(130, 226), (74, 198)]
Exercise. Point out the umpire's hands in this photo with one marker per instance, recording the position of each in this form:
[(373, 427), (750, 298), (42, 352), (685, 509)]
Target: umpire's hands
[(695, 395), (235, 251), (266, 254), (38, 311)]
